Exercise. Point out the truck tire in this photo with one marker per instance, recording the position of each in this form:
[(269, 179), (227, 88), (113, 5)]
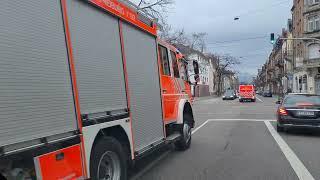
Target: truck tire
[(108, 160), (185, 141)]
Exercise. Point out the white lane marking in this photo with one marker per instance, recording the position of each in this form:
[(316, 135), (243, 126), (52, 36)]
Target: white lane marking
[(299, 168), (259, 99), (149, 166), (229, 120), (246, 120), (196, 129)]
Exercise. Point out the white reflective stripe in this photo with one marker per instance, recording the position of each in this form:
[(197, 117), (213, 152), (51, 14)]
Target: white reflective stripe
[(37, 167)]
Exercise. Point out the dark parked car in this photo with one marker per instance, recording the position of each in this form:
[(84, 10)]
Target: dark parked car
[(267, 94), (298, 110), (229, 95)]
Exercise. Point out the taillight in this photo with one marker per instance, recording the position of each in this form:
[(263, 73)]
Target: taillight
[(282, 111)]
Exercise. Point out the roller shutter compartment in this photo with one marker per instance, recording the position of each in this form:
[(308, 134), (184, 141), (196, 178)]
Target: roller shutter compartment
[(143, 78), (35, 87), (98, 60)]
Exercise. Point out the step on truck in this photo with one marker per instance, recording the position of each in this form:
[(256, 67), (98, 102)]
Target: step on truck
[(86, 90)]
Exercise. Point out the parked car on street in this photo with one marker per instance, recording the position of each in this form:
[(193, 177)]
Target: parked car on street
[(298, 110), (267, 94), (229, 95)]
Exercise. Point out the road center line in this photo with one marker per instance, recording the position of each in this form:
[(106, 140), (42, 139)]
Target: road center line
[(259, 99), (299, 168), (229, 120)]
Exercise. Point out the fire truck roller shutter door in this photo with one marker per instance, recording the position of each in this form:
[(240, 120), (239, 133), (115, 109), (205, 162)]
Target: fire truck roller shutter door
[(97, 55), (144, 86), (35, 87)]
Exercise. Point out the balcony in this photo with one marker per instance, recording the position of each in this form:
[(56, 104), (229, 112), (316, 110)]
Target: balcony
[(312, 63), (312, 34), (311, 8)]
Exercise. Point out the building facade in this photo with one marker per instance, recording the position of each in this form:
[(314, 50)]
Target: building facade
[(287, 56), (300, 78), (203, 82), (311, 62)]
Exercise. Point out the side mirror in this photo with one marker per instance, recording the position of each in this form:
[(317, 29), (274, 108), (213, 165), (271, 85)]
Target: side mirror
[(278, 102), (196, 67)]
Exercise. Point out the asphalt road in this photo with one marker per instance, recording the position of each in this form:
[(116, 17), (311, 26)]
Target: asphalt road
[(238, 141)]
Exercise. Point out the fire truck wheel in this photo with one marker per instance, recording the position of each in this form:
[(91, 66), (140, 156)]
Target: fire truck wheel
[(185, 141), (108, 160)]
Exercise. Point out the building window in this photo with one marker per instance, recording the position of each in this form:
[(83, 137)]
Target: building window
[(312, 2), (313, 23), (164, 58), (313, 51)]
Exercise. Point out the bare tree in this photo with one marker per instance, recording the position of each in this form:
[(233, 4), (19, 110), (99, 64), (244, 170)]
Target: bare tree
[(156, 8), (198, 41), (174, 36), (224, 66)]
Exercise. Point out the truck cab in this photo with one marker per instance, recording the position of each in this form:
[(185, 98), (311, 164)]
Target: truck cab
[(175, 84)]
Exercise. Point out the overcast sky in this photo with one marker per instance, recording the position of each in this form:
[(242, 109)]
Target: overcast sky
[(258, 18)]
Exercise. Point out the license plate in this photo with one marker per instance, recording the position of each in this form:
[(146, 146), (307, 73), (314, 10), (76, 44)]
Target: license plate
[(305, 113)]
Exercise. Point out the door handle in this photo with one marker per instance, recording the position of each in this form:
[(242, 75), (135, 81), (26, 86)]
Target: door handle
[(183, 91), (164, 90)]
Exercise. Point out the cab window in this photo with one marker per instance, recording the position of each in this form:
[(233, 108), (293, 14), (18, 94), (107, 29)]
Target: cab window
[(164, 58), (175, 65), (183, 70)]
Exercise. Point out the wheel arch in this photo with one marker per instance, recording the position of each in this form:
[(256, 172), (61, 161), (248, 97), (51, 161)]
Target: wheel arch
[(185, 107), (120, 130)]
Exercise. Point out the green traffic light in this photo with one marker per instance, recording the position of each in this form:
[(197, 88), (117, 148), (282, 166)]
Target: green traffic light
[(272, 38)]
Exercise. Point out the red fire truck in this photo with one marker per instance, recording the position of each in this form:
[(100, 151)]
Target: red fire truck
[(247, 92), (86, 90)]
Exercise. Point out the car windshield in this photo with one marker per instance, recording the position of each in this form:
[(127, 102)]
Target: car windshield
[(229, 93), (296, 100)]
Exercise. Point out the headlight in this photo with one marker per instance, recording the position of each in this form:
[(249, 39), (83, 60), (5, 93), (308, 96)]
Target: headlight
[(223, 96)]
